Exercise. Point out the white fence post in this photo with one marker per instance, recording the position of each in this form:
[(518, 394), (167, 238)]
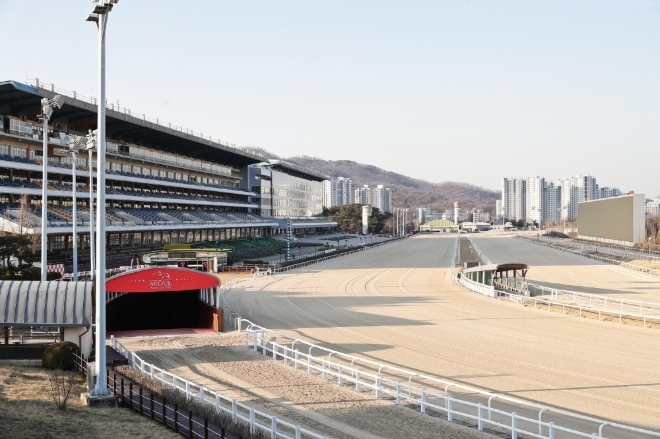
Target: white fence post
[(187, 389), (297, 431), (264, 345), (274, 351), (480, 417), (217, 403), (273, 427), (423, 403), (252, 420), (339, 374), (246, 339), (234, 410), (296, 359), (357, 380), (255, 342), (514, 426), (398, 393), (377, 386), (201, 394), (450, 416), (323, 370)]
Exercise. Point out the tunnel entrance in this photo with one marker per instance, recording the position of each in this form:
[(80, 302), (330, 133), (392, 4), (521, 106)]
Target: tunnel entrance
[(161, 298), (157, 311)]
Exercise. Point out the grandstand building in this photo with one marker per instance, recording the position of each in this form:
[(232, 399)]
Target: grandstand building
[(164, 184), (288, 191)]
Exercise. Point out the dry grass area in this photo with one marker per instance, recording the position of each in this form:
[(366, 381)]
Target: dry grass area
[(29, 412), (648, 264)]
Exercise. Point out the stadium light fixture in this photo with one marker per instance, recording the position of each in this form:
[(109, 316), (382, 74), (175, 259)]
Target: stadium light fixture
[(99, 15), (47, 107)]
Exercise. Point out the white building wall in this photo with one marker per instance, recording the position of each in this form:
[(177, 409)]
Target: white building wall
[(653, 208), (535, 208), (552, 202), (514, 198)]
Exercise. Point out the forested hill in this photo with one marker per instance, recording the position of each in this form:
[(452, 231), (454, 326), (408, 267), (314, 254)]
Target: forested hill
[(406, 191)]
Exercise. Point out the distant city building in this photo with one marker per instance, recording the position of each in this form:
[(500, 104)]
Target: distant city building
[(609, 192), (576, 190), (514, 198), (420, 215), (535, 205), (653, 208), (552, 202), (479, 216), (337, 192), (498, 209), (379, 197)]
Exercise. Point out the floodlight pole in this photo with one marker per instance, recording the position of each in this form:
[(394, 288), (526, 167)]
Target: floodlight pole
[(100, 15), (44, 203), (91, 216), (75, 219)]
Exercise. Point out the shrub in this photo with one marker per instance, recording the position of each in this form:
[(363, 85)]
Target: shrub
[(61, 384), (60, 355)]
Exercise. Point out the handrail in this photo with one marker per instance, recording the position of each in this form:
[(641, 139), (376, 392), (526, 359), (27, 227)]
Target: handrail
[(216, 398), (364, 379)]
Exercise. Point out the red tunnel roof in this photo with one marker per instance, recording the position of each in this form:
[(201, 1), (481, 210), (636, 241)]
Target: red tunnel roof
[(160, 280)]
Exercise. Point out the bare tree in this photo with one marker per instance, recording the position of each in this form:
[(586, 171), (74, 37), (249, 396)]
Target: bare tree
[(61, 382)]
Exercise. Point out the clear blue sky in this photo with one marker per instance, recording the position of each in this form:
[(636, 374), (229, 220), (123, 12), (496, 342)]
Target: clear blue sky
[(441, 90)]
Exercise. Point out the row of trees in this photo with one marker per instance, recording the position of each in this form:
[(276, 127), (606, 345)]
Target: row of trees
[(349, 219)]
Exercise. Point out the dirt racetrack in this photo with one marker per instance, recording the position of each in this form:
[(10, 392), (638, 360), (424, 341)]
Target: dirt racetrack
[(396, 304), (564, 270)]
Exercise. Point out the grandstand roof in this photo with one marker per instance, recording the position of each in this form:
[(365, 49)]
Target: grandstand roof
[(298, 171), (17, 99)]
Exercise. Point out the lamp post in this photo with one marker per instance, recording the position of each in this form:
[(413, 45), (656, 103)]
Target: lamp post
[(91, 144), (47, 106), (99, 15), (78, 146)]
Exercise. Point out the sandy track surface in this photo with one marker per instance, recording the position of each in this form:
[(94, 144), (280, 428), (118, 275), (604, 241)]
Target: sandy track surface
[(396, 304), (568, 271), (220, 362)]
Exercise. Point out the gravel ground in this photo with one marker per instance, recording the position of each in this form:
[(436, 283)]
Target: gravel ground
[(222, 363)]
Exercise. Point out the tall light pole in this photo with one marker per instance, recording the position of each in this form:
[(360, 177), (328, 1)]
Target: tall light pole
[(78, 146), (99, 15), (91, 144), (47, 106)]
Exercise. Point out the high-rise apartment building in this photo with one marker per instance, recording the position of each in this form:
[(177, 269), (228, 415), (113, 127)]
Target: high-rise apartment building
[(498, 209), (514, 198), (337, 192), (653, 208), (380, 197), (552, 202), (535, 205), (609, 192), (575, 190)]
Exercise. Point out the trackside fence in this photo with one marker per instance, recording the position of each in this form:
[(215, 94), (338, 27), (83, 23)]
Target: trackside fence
[(605, 308), (627, 265), (453, 401), (256, 419)]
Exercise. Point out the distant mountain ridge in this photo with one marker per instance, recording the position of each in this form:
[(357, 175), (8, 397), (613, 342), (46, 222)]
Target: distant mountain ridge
[(406, 191)]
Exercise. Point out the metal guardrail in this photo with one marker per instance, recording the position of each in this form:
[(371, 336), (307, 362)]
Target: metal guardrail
[(627, 265), (239, 411), (512, 415), (481, 254)]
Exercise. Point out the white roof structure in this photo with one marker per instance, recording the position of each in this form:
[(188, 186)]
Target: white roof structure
[(53, 303)]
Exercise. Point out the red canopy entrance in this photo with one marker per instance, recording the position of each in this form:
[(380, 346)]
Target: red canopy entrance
[(160, 280)]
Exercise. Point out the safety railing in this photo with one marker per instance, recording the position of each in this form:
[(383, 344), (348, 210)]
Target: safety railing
[(256, 419), (598, 302), (478, 251), (482, 408), (627, 265)]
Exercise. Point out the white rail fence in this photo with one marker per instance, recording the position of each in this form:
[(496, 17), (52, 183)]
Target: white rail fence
[(627, 265), (610, 249), (238, 411), (575, 303), (481, 408), (478, 251)]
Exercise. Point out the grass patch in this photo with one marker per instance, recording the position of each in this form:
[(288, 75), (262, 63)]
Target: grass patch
[(28, 412)]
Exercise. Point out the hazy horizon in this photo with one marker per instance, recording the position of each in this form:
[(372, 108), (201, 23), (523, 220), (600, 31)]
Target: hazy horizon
[(467, 91)]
